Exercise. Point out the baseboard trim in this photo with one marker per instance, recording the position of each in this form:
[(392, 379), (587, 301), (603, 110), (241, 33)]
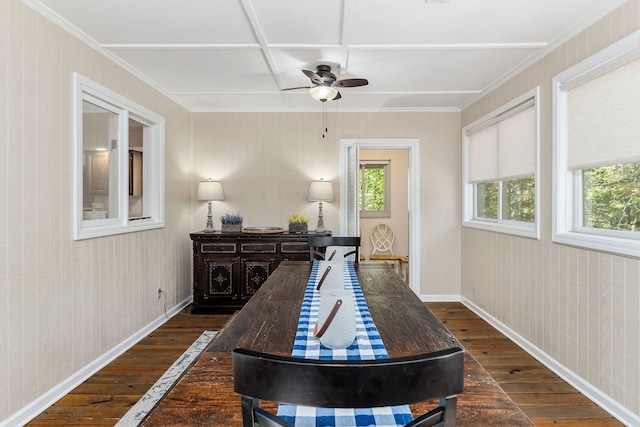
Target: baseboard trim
[(43, 402), (594, 394), (440, 298)]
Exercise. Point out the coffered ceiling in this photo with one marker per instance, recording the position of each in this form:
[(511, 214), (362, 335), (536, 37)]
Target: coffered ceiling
[(238, 55)]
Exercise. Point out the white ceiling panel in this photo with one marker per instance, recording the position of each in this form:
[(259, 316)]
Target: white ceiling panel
[(469, 21), (203, 70), (234, 102), (158, 21), (300, 22), (237, 55), (352, 101), (432, 70)]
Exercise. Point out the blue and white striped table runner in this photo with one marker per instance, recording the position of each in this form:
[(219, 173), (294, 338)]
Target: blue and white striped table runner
[(367, 345)]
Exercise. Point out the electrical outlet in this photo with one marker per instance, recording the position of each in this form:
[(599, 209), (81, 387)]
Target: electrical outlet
[(159, 292)]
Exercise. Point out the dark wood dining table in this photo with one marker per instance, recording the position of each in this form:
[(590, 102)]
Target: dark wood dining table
[(268, 322)]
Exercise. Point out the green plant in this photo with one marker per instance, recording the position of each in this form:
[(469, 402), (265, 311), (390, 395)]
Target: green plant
[(298, 219), (231, 218)]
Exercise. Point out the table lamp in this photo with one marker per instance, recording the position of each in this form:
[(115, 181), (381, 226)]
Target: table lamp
[(320, 191), (210, 191)]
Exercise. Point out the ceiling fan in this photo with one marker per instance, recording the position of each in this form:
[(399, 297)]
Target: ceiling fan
[(325, 84)]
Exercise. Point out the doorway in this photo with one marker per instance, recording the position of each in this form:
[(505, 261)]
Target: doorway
[(349, 188)]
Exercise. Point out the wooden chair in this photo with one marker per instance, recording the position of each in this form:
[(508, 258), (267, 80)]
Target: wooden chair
[(349, 384), (382, 239), (319, 244)]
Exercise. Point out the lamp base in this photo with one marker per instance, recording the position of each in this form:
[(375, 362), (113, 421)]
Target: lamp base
[(209, 228), (320, 227)]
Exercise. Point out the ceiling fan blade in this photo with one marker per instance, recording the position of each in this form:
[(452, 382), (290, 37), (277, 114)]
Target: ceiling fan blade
[(296, 88), (338, 96), (315, 78), (351, 82)]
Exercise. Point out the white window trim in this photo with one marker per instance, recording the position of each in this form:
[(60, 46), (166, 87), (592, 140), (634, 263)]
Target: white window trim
[(84, 229), (517, 228), (565, 201)]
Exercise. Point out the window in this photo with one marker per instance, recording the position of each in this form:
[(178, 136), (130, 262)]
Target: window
[(374, 189), (500, 153), (119, 174), (597, 153)]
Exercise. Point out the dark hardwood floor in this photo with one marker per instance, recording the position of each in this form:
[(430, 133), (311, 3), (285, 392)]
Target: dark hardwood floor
[(106, 396), (542, 395)]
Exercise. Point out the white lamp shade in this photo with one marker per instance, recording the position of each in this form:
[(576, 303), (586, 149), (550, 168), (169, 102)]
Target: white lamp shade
[(323, 93), (321, 191), (210, 190)]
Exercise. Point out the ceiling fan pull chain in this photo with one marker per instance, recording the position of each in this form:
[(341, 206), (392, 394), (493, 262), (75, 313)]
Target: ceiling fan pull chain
[(324, 120)]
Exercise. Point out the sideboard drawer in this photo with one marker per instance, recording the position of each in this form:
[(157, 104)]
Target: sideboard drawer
[(218, 248), (259, 248), (294, 247)]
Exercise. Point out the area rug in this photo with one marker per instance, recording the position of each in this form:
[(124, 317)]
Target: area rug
[(141, 409)]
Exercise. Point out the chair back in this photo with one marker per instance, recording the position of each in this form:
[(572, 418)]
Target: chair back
[(350, 383), (319, 244), (382, 239)]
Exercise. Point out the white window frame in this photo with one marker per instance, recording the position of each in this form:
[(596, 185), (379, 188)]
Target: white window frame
[(567, 203), (469, 205), (386, 212), (153, 178)]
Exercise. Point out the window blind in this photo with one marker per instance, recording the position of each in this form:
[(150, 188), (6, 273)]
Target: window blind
[(517, 145), (374, 162), (483, 155), (505, 149), (603, 121)]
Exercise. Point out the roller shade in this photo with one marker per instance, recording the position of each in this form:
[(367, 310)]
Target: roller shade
[(517, 145), (483, 155), (603, 119), (505, 148)]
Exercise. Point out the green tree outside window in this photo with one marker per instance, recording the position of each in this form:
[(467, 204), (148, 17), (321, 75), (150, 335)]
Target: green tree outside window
[(518, 202), (374, 197), (611, 197)]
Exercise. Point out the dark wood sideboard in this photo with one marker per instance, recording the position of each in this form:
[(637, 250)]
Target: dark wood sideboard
[(228, 268)]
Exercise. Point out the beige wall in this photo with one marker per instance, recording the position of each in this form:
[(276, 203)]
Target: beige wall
[(580, 307), (399, 219), (266, 161), (64, 303)]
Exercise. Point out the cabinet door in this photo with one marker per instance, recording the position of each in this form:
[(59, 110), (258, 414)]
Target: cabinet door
[(220, 278), (255, 270), (97, 176)]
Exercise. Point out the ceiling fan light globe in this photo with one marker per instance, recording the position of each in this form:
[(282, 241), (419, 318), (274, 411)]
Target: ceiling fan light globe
[(322, 93)]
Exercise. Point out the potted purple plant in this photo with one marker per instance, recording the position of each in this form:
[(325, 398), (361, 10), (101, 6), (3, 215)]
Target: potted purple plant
[(231, 222)]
